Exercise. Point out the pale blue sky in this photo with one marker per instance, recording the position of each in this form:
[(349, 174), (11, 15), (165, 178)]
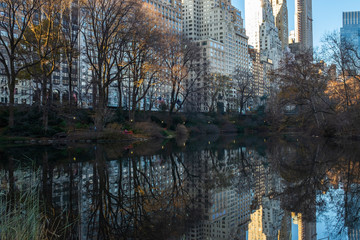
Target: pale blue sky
[(327, 15)]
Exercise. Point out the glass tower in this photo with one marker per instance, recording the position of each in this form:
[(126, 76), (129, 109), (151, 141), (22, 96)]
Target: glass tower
[(351, 28)]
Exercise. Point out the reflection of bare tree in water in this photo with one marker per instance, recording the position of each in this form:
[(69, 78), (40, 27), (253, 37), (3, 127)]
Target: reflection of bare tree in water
[(61, 220), (321, 181), (149, 202)]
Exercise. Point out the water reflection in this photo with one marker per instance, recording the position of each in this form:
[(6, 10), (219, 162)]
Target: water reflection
[(213, 188)]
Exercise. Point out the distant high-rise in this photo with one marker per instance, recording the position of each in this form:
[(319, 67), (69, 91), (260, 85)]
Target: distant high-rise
[(280, 12), (303, 23), (351, 28), (261, 29)]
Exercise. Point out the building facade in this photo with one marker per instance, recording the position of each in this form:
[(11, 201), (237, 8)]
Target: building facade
[(263, 20), (351, 28), (280, 12), (303, 24), (217, 27)]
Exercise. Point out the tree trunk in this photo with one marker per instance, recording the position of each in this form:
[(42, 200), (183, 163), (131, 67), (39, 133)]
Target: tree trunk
[(94, 94), (120, 95), (45, 104), (11, 86), (100, 111), (70, 85)]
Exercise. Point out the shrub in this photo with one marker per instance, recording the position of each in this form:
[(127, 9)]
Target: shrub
[(210, 129), (148, 128), (119, 116), (181, 130), (81, 126), (114, 126), (228, 128), (155, 119)]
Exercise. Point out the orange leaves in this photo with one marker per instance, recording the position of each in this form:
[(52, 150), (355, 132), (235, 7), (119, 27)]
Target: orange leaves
[(344, 93)]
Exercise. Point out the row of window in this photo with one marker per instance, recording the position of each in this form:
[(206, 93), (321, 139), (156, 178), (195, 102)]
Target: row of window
[(5, 100)]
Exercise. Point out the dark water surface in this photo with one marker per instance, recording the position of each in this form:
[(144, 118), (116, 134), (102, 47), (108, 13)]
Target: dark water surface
[(214, 187)]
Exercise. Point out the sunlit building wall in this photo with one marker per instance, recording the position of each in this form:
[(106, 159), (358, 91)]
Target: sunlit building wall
[(280, 12)]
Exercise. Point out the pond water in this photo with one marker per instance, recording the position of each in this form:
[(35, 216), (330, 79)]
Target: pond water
[(213, 187)]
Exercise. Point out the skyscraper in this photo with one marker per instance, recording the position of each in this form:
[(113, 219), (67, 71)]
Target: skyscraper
[(261, 29), (350, 31), (303, 23), (217, 27), (280, 12)]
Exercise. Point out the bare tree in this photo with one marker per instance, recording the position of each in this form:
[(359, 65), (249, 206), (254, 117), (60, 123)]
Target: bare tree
[(143, 54), (15, 16), (181, 65), (43, 37), (344, 55), (217, 86), (244, 87), (105, 26), (302, 82)]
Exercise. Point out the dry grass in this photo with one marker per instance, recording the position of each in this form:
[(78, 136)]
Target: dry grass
[(20, 214)]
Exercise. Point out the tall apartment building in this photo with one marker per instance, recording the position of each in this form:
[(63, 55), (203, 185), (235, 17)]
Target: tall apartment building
[(217, 27), (169, 12), (351, 28), (280, 12), (261, 29), (62, 90), (27, 91), (303, 24), (257, 69)]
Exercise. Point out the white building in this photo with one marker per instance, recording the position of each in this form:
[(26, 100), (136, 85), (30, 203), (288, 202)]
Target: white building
[(261, 29), (217, 27), (280, 12)]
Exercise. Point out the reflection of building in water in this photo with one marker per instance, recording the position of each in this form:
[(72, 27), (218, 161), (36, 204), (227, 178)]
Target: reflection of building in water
[(255, 226), (267, 220), (224, 211), (94, 183), (352, 209), (354, 233), (306, 229), (285, 231)]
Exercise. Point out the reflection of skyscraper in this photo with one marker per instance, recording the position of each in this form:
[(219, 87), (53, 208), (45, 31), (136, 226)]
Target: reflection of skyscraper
[(306, 229), (225, 211), (352, 215), (285, 231), (354, 233), (255, 226), (266, 222)]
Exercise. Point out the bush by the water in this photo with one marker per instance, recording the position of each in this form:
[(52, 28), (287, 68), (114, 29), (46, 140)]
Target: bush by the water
[(148, 128)]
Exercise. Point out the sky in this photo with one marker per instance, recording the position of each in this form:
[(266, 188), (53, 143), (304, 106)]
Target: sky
[(327, 15)]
